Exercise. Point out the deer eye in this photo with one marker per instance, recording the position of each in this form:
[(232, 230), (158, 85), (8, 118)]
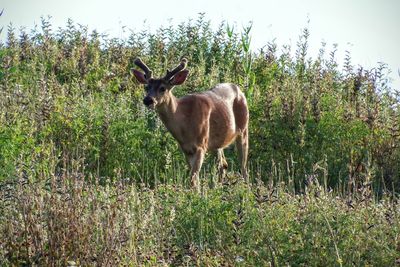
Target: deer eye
[(162, 89)]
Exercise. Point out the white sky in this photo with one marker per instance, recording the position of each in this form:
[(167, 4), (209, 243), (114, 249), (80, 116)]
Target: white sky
[(369, 29)]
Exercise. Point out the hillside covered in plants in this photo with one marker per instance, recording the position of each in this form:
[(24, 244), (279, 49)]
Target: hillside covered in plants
[(68, 95), (78, 147)]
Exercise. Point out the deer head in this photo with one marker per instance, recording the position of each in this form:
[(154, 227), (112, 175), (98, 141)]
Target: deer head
[(159, 90)]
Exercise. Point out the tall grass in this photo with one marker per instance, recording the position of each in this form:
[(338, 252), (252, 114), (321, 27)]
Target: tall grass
[(88, 176), (65, 221), (69, 93)]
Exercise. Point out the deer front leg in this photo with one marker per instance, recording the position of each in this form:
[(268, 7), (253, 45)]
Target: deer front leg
[(242, 144), (222, 165), (195, 161)]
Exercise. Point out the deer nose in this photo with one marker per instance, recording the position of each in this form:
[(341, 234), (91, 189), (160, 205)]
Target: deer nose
[(148, 101)]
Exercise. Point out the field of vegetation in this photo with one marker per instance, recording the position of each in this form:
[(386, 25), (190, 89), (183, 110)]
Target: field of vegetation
[(90, 177)]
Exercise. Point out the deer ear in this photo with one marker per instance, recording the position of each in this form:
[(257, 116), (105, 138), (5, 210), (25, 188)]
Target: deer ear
[(140, 77), (180, 77)]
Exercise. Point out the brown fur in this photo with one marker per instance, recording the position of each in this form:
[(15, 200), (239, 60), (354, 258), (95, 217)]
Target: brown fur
[(207, 121)]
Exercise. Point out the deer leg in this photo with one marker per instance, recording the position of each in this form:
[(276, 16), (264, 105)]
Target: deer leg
[(222, 165), (242, 145), (195, 161)]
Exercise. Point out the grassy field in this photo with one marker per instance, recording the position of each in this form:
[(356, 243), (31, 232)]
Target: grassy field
[(88, 176), (68, 221)]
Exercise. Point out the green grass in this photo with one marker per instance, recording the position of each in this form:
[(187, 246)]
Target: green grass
[(88, 176), (66, 219)]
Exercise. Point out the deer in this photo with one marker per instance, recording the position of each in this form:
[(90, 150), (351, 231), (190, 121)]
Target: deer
[(200, 122)]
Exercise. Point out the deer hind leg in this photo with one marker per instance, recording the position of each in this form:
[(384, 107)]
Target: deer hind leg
[(195, 161), (242, 145), (222, 165)]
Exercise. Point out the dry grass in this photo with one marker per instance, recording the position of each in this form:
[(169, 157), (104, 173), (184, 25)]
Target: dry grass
[(66, 221)]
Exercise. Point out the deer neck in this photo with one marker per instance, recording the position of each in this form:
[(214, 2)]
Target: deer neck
[(168, 114), (167, 110)]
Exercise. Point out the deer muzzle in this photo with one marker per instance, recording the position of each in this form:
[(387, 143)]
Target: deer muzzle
[(149, 101)]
